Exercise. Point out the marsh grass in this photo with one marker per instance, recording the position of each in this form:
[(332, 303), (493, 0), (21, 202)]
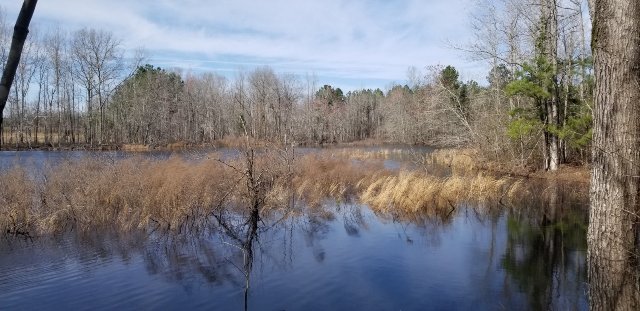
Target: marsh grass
[(461, 161), (417, 192), (178, 195), (363, 154), (226, 142), (339, 177), (17, 202), (134, 147), (326, 176), (129, 194)]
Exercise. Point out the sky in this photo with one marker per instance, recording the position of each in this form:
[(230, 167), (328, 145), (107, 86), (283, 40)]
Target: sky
[(346, 43)]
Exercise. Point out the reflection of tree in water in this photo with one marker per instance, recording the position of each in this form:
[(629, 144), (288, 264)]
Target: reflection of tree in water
[(541, 253), (545, 251), (545, 246), (315, 227), (427, 223), (176, 258), (242, 233), (224, 255), (353, 220)]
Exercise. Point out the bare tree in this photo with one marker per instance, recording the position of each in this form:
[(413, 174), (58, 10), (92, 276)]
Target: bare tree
[(32, 66), (98, 64), (55, 51)]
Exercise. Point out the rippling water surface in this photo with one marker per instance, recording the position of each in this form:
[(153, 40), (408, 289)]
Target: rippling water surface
[(337, 257), (343, 259)]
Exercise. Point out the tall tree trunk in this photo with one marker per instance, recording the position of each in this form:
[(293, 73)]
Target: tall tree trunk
[(20, 32), (550, 24), (615, 181)]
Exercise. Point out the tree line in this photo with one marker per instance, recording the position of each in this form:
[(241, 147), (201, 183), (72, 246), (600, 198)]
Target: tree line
[(534, 109), (79, 88)]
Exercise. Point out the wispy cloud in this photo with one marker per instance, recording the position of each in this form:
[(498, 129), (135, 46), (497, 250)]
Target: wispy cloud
[(364, 43)]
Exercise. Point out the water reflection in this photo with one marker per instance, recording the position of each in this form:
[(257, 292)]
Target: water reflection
[(339, 256), (546, 258)]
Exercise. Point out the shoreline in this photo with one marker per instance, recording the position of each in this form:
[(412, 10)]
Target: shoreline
[(231, 142), (458, 158)]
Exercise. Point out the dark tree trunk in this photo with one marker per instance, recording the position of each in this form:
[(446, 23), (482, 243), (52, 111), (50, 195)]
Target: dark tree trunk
[(615, 181), (20, 32)]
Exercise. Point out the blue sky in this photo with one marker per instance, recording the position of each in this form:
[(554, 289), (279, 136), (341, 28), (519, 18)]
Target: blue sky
[(347, 43)]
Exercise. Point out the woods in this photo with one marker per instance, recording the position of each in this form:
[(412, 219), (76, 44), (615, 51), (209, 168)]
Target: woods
[(541, 76), (81, 89)]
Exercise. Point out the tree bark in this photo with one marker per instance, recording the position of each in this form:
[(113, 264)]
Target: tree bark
[(550, 15), (20, 32), (615, 181)]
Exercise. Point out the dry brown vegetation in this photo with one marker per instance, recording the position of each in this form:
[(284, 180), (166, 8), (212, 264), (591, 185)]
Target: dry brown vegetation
[(16, 201), (362, 154), (238, 142), (414, 191), (325, 176), (459, 160), (128, 194), (178, 195), (134, 147), (466, 161), (337, 176)]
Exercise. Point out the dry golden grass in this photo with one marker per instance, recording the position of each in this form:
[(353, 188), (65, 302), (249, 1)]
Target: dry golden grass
[(127, 195), (134, 147), (337, 176), (413, 192), (177, 145), (17, 201), (322, 176), (240, 142), (176, 195), (360, 154), (132, 194), (460, 161), (471, 161), (368, 142)]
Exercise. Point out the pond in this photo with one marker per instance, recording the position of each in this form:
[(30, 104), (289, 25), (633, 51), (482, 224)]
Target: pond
[(394, 156), (339, 256)]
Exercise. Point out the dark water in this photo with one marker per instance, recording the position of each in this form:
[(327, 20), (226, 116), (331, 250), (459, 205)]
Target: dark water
[(397, 156), (40, 159), (341, 258)]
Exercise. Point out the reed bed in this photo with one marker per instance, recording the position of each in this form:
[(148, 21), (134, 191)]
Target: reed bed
[(323, 176), (362, 154), (17, 203), (415, 192), (460, 161), (180, 195), (126, 195), (134, 147)]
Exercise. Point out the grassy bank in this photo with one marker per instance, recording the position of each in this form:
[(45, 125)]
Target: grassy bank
[(465, 161)]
